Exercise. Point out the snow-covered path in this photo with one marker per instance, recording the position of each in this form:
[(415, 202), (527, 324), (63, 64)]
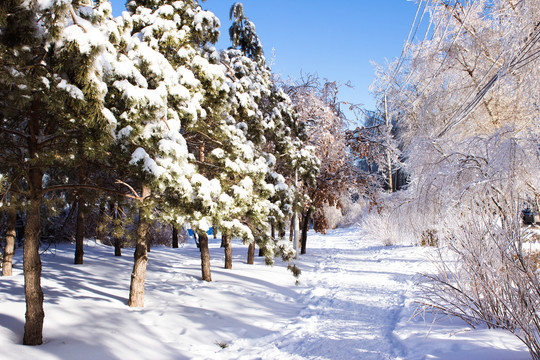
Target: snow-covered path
[(352, 296), (354, 300), (353, 306)]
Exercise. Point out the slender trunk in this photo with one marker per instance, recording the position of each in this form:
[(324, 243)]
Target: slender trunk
[(228, 250), (261, 251), (205, 256), (214, 231), (388, 156), (33, 328), (174, 237), (251, 253), (99, 222), (272, 230), (79, 232), (291, 228), (196, 239), (148, 244), (7, 262), (116, 230), (305, 228), (138, 275), (19, 231)]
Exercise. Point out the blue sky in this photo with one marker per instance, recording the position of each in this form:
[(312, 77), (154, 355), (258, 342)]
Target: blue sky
[(336, 39)]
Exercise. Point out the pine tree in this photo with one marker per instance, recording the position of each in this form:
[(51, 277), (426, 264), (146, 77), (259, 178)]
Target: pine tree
[(266, 114), (52, 97)]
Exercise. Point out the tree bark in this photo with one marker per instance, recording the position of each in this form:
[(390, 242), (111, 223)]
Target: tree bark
[(251, 253), (99, 221), (7, 262), (305, 228), (79, 232), (291, 229), (174, 237), (205, 256), (138, 275), (33, 327), (195, 238), (116, 230), (226, 239)]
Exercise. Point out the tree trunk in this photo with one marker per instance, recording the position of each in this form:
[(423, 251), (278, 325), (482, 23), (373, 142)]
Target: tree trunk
[(305, 228), (19, 230), (33, 327), (174, 237), (116, 230), (272, 230), (195, 238), (214, 231), (205, 256), (226, 239), (291, 228), (79, 232), (138, 275), (251, 253), (261, 251), (7, 262), (99, 221)]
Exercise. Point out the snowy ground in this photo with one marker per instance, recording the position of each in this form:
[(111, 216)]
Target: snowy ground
[(354, 300)]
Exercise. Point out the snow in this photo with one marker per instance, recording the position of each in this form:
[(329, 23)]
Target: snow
[(71, 89), (149, 164), (109, 116), (354, 300), (47, 4), (187, 77), (202, 16)]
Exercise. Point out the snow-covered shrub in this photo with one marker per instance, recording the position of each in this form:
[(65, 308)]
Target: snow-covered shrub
[(488, 272), (349, 210), (352, 210), (489, 275), (333, 216), (380, 227)]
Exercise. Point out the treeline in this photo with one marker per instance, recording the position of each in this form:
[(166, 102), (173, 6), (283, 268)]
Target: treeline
[(139, 120)]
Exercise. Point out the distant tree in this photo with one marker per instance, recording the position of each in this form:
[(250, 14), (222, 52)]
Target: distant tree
[(318, 107), (9, 249)]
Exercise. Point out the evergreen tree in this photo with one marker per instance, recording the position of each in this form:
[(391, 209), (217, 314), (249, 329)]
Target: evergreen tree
[(52, 102), (266, 114)]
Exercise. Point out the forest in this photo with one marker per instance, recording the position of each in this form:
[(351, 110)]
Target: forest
[(137, 132)]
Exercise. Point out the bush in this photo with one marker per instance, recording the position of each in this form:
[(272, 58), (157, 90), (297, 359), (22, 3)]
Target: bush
[(489, 274), (380, 227)]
